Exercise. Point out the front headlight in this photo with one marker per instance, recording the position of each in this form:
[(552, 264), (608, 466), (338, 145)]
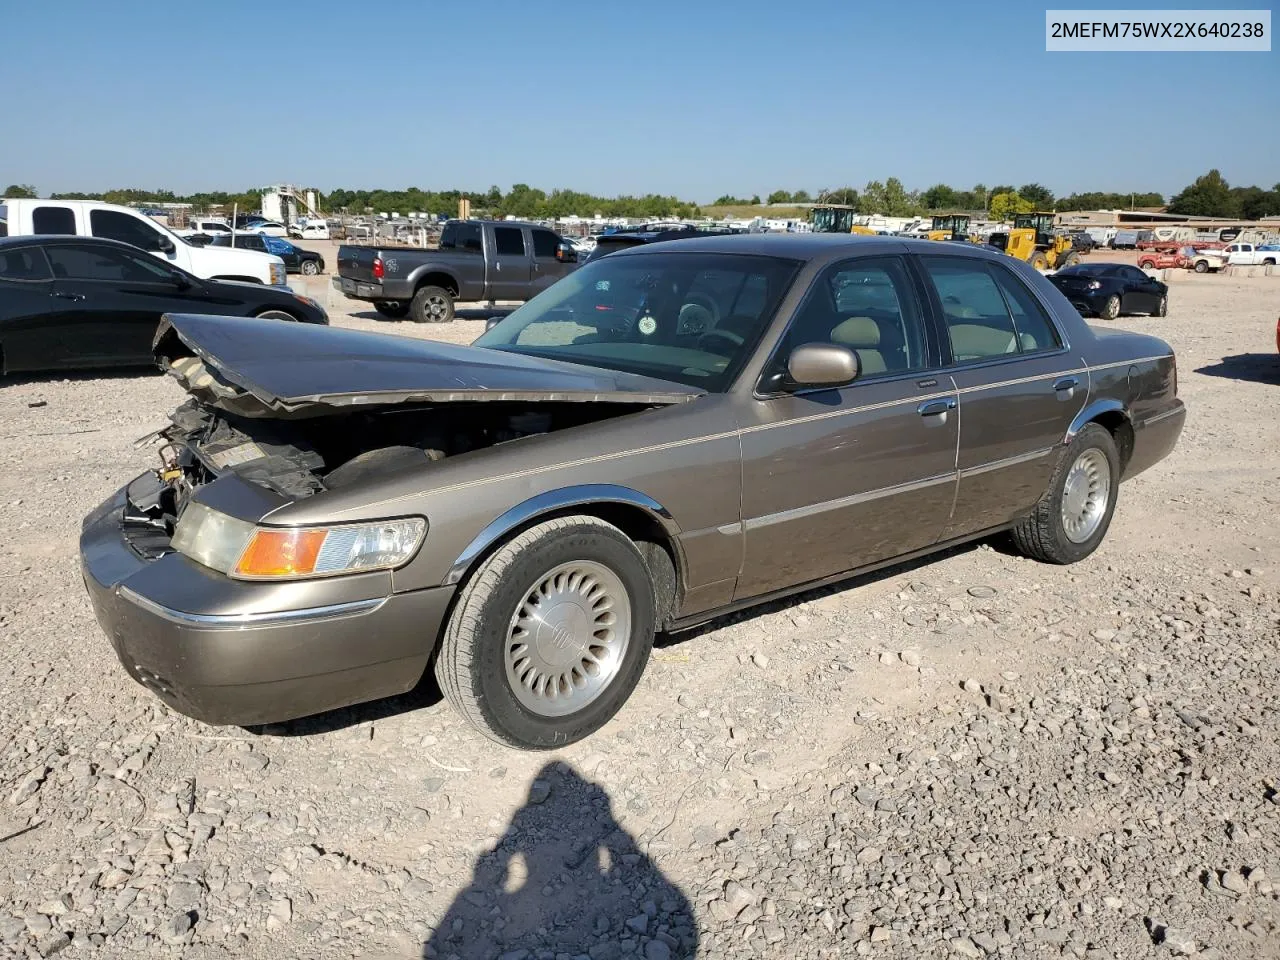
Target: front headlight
[(248, 552), (1095, 284)]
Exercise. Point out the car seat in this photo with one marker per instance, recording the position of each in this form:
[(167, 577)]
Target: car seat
[(863, 335)]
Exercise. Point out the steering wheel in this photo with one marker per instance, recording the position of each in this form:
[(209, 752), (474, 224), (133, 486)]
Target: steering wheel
[(714, 335), (697, 314)]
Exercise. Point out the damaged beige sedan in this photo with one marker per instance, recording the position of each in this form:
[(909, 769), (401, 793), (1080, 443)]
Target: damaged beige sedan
[(669, 433)]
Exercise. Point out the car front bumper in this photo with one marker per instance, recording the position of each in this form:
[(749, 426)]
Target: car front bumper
[(231, 652)]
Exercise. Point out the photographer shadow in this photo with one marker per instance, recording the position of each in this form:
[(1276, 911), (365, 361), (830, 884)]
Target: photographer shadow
[(566, 878)]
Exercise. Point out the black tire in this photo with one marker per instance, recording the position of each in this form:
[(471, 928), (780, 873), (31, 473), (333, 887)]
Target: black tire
[(471, 666), (395, 309), (1042, 535), (272, 314), (1162, 308), (1110, 309), (432, 305), (1039, 261), (1201, 267), (310, 268)]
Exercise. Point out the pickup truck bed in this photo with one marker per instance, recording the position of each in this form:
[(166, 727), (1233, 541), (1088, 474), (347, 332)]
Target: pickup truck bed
[(477, 260)]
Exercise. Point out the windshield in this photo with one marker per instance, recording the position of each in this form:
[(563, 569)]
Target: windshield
[(693, 318)]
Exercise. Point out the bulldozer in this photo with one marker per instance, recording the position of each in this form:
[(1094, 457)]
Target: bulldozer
[(836, 218), (953, 226), (1033, 239)]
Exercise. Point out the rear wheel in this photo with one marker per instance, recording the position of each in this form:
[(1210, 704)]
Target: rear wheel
[(550, 635), (1111, 309), (1202, 266), (394, 309), (1162, 307), (1039, 260), (1072, 517), (432, 305)]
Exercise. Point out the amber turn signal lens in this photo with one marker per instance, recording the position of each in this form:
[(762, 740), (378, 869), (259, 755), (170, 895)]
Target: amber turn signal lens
[(281, 553)]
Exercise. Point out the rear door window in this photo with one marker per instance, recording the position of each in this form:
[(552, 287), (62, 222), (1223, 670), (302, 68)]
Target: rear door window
[(977, 317), (1035, 329), (75, 262), (461, 236), (124, 227), (56, 220), (508, 241), (26, 264)]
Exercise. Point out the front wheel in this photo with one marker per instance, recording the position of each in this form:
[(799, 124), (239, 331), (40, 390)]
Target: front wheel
[(432, 305), (1072, 517), (310, 268), (1111, 309), (1039, 261), (1202, 267), (550, 635)]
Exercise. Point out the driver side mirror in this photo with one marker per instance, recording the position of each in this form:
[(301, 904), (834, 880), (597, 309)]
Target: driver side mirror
[(822, 365), (491, 322), (566, 254), (165, 244)]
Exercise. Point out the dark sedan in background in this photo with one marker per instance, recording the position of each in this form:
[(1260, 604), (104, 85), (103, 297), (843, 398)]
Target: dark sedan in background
[(296, 259), (1107, 290), (89, 302)]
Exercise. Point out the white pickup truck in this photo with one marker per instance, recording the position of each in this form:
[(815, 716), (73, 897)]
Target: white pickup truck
[(1248, 255), (89, 218)]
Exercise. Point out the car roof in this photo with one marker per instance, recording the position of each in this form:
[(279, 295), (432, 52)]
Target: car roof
[(54, 239), (805, 246)]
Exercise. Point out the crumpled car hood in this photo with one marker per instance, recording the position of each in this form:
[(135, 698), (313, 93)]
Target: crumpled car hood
[(274, 368)]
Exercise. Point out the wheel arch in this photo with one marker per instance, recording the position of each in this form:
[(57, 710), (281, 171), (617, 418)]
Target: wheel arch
[(636, 514), (236, 278), (1112, 416), (436, 278)]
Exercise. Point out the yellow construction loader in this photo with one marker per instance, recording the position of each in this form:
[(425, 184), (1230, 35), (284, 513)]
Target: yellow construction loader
[(1033, 239), (954, 226), (836, 218)]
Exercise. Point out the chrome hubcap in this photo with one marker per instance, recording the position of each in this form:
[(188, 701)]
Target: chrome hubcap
[(436, 307), (1086, 495), (568, 638)]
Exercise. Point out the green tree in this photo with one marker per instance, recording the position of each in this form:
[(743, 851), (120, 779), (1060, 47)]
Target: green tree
[(20, 191), (873, 197), (897, 201), (780, 196), (939, 197), (1006, 203), (755, 199), (801, 196), (1209, 196), (846, 196), (1040, 197)]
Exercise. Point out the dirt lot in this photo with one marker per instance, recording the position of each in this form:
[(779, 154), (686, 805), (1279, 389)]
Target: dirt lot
[(975, 755)]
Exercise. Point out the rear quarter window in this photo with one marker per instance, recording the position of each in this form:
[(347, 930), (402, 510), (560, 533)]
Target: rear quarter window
[(57, 220)]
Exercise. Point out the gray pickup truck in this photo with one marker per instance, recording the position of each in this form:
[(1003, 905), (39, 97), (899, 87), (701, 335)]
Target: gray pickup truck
[(477, 260)]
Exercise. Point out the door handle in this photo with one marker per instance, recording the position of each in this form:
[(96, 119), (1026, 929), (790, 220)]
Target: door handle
[(70, 296), (1066, 387), (933, 408)]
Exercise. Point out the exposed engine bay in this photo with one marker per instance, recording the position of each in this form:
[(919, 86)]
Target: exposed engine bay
[(298, 458)]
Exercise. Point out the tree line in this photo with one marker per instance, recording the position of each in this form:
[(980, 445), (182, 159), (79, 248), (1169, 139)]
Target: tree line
[(1209, 195)]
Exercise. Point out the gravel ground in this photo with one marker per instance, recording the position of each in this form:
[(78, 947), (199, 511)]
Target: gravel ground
[(971, 756)]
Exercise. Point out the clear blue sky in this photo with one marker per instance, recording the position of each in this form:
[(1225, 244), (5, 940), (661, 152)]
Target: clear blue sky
[(694, 98)]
